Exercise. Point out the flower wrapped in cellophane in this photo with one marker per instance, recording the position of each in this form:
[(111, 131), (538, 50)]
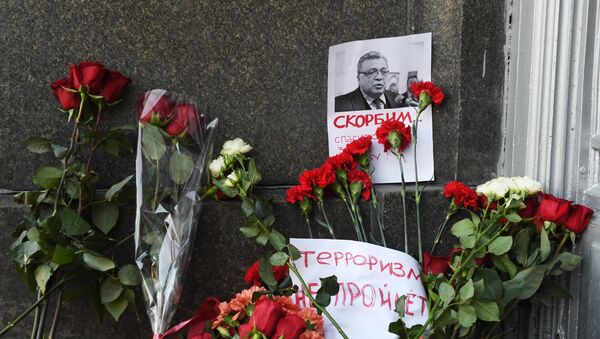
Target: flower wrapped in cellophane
[(174, 145)]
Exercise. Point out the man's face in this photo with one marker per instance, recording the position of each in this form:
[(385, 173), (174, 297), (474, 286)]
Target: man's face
[(371, 78)]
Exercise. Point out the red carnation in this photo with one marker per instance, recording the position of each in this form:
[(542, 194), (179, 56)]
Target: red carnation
[(579, 218), (343, 161), (299, 193), (554, 209), (321, 177), (357, 175), (462, 195), (67, 99), (393, 128), (252, 277), (436, 94), (359, 146), (433, 264)]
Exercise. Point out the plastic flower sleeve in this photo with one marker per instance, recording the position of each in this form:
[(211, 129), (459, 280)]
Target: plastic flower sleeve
[(174, 146)]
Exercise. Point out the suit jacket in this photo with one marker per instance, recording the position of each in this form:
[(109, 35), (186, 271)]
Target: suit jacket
[(354, 101)]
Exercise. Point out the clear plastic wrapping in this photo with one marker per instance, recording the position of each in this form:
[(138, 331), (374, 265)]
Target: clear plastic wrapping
[(174, 147)]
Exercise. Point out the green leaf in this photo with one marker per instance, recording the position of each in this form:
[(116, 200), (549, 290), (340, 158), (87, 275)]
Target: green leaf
[(467, 291), (278, 258), (153, 143), (277, 240), (447, 293), (39, 145), (117, 307), (59, 151), (526, 282), (294, 252), (464, 227), (398, 328), (522, 246), (503, 263), (129, 275), (250, 231), (500, 245), (468, 241), (110, 290), (569, 261), (330, 284), (73, 224), (24, 251), (42, 275), (114, 189), (544, 245), (401, 306), (466, 315), (248, 207), (263, 208), (97, 262), (486, 310), (266, 272), (513, 217), (47, 177), (180, 168), (488, 285), (62, 255), (449, 317), (105, 215)]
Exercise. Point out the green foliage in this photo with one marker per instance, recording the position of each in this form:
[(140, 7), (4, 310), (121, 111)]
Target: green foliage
[(180, 168), (153, 143)]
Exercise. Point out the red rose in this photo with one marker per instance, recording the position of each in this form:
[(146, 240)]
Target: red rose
[(265, 317), (356, 175), (579, 218), (554, 209), (396, 129), (68, 100), (433, 264), (252, 276), (462, 195), (531, 206), (88, 74), (298, 193), (342, 161), (155, 107), (289, 327), (359, 146), (185, 120), (113, 85), (436, 94)]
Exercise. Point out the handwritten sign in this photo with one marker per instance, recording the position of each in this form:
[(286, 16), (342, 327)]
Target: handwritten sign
[(371, 279), (352, 86)]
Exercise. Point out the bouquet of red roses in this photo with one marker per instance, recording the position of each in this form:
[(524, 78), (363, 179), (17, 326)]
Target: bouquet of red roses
[(174, 146)]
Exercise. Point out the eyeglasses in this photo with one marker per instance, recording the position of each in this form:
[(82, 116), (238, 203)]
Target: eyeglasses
[(374, 71)]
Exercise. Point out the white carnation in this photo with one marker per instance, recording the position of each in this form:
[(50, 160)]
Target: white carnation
[(235, 146)]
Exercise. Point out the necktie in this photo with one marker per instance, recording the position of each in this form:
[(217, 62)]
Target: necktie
[(378, 103)]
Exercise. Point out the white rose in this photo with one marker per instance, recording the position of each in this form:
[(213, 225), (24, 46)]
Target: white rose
[(527, 185), (232, 179), (235, 146), (494, 189), (217, 166)]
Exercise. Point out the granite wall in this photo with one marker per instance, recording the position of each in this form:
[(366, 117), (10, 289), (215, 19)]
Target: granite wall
[(261, 68)]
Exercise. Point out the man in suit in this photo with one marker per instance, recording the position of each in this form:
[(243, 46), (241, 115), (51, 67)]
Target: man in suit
[(372, 71)]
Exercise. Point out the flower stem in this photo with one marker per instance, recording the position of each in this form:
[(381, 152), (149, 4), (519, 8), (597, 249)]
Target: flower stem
[(440, 233), (36, 318), (13, 323), (403, 195), (417, 192), (322, 208), (56, 314), (40, 329), (65, 165), (156, 187), (308, 225), (319, 307), (378, 215)]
